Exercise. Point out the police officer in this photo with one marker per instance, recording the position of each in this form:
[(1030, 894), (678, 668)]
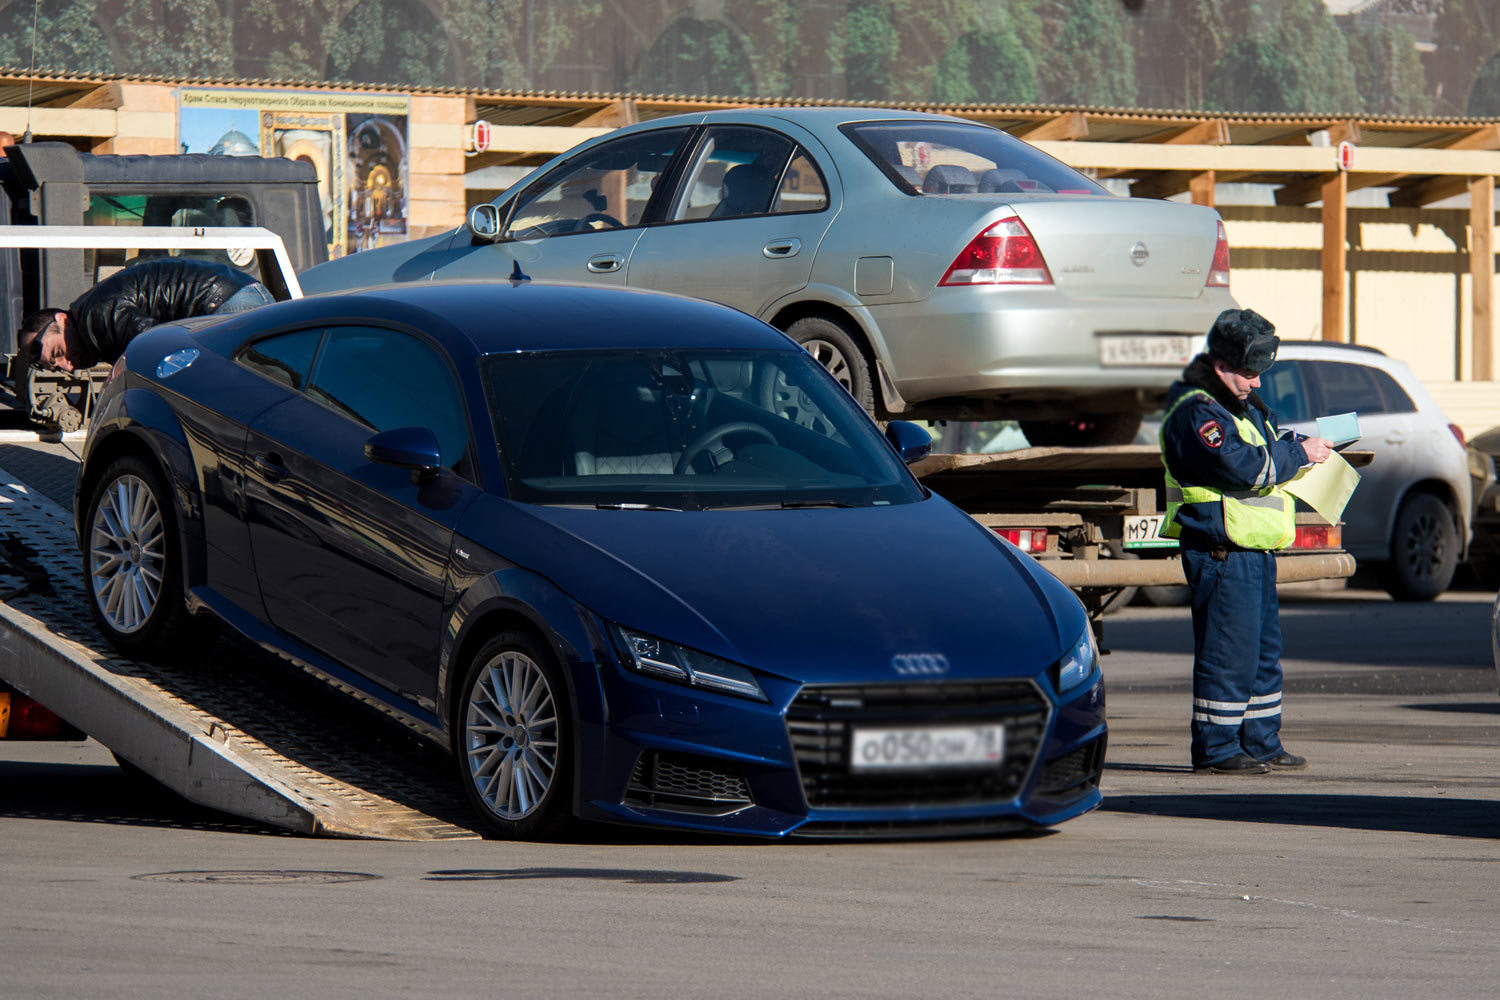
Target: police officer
[(1224, 468)]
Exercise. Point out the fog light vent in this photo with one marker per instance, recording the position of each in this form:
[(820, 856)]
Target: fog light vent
[(1073, 774), (678, 783)]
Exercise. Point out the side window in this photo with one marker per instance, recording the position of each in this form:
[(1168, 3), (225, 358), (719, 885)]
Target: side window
[(605, 188), (385, 379), (167, 209), (284, 359), (1282, 389), (1345, 387), (737, 171), (802, 189), (1396, 399)]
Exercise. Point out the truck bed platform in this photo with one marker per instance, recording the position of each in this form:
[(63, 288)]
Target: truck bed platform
[(234, 729)]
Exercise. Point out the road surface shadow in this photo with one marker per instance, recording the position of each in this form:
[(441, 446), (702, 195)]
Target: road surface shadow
[(1452, 817), (104, 793)]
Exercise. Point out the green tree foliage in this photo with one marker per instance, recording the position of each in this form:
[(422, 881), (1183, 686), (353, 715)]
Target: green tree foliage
[(1255, 75), (1388, 71), (1089, 59), (986, 67), (69, 39), (1467, 34), (1484, 95), (1177, 43), (695, 56), (1295, 59)]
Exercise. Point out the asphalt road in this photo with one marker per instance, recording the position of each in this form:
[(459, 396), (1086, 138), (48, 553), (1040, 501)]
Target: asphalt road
[(1374, 874)]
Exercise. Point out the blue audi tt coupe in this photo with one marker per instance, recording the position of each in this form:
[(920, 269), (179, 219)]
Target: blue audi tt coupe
[(628, 556)]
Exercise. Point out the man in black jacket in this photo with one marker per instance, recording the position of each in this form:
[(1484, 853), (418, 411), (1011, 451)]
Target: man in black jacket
[(101, 321)]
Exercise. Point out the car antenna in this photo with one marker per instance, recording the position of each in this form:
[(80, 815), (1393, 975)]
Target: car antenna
[(36, 10), (516, 274)]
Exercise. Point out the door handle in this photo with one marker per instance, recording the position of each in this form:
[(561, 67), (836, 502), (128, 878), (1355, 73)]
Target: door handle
[(270, 466), (777, 249), (1395, 437), (604, 263)]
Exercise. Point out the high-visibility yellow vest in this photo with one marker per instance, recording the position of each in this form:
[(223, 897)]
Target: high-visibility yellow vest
[(1263, 518)]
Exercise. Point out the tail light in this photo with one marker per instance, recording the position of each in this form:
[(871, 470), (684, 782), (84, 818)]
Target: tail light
[(1030, 540), (1458, 432), (1319, 536), (1218, 273), (1004, 254)]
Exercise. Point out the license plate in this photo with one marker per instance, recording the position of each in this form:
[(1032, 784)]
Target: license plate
[(1145, 350), (927, 747), (1144, 532)]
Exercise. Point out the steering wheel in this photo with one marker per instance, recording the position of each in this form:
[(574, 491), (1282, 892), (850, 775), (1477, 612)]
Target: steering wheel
[(608, 220), (708, 439)]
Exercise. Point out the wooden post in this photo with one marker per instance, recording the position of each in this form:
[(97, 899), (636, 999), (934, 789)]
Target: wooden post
[(1335, 256), (1201, 188), (1482, 275)]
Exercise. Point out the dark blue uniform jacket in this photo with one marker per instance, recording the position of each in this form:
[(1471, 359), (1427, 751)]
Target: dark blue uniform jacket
[(1202, 447)]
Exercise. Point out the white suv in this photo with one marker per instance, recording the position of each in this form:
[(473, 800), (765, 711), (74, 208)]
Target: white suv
[(1410, 517)]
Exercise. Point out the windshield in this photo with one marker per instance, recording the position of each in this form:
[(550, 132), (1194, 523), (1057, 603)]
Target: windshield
[(924, 157), (686, 429)]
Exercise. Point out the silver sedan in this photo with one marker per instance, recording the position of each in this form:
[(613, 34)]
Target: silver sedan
[(940, 268)]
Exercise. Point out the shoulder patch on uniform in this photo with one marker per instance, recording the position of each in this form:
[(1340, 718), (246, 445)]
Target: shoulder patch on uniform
[(1211, 433)]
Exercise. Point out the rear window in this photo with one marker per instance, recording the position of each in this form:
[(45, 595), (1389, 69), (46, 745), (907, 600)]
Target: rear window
[(924, 157)]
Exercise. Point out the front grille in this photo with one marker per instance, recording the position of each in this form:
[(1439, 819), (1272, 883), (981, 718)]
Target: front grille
[(1073, 774), (679, 783), (821, 720)]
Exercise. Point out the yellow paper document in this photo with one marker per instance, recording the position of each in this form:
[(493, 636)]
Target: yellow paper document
[(1326, 488)]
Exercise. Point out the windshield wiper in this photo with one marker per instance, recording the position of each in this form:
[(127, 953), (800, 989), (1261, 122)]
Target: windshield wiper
[(784, 505), (633, 506)]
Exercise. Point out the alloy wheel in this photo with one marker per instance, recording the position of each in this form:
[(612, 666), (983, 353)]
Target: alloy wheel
[(127, 553), (511, 735)]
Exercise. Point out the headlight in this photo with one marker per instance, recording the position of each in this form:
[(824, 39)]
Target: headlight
[(659, 658), (1079, 662)]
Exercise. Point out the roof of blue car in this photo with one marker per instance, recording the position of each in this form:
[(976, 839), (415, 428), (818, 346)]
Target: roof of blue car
[(502, 316)]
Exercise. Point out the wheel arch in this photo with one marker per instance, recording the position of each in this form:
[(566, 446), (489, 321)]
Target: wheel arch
[(855, 320)]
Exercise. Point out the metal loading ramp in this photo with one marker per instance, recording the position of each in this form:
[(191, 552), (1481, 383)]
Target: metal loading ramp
[(234, 729)]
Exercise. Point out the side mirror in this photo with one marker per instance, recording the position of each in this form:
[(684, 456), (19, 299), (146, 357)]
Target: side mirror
[(414, 448), (911, 442), (484, 223)]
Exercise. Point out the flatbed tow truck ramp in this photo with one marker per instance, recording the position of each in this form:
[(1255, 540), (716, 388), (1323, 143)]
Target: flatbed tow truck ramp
[(236, 730)]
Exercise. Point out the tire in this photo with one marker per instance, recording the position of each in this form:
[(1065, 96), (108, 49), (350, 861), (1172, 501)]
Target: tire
[(831, 343), (1092, 431), (1166, 595), (132, 561), (516, 766), (1424, 550)]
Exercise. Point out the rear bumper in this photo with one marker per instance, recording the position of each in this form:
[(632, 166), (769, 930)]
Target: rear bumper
[(1007, 342)]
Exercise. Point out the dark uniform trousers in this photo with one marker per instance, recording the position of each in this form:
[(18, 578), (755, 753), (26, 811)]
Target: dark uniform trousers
[(1237, 662)]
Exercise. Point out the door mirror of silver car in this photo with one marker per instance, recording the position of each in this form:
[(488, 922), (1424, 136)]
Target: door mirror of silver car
[(484, 223), (414, 448), (911, 442)]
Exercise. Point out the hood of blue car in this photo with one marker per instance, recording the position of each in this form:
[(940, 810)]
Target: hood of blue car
[(824, 595)]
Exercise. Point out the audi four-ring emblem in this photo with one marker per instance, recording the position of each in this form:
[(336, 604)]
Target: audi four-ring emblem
[(919, 664)]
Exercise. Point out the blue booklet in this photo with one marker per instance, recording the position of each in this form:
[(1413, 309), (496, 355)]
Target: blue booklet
[(1340, 428)]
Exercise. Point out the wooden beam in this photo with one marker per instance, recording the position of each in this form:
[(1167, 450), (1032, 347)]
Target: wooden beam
[(1201, 187), (1482, 275), (1210, 133), (617, 114), (1480, 138), (1061, 128), (107, 96), (1335, 257), (1428, 191), (1304, 191), (1162, 184)]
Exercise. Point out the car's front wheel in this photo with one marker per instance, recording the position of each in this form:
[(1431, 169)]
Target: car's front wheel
[(1090, 431), (131, 559), (1424, 550), (513, 741)]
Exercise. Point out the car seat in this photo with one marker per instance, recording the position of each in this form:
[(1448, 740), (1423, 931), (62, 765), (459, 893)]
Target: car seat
[(949, 178), (620, 427), (746, 190)]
